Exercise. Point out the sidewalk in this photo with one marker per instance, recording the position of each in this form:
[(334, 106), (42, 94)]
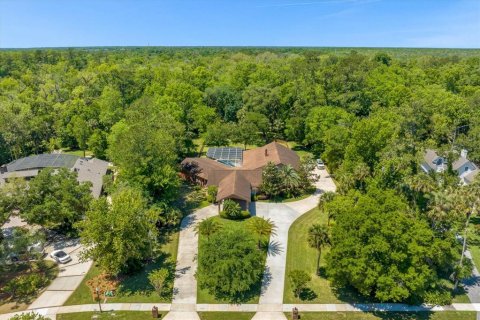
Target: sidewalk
[(384, 307)]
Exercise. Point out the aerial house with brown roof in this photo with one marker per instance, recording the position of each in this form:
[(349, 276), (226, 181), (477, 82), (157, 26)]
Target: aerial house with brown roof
[(236, 172)]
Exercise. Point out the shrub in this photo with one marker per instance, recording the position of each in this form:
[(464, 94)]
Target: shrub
[(231, 210), (299, 280), (212, 194), (440, 297), (234, 251), (243, 214), (158, 279), (24, 285), (28, 316)]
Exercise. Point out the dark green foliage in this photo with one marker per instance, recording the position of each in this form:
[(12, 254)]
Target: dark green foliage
[(232, 210), (119, 235), (299, 280), (24, 285), (55, 199), (286, 181), (234, 264), (212, 194), (382, 250)]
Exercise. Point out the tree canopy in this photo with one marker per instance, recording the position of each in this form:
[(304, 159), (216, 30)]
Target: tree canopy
[(119, 235)]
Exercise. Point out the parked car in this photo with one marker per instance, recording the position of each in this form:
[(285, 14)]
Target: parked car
[(60, 256), (320, 164)]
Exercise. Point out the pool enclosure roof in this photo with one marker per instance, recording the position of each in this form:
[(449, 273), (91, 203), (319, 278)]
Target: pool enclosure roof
[(229, 156)]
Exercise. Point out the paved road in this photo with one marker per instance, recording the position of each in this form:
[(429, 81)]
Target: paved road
[(69, 278), (472, 284)]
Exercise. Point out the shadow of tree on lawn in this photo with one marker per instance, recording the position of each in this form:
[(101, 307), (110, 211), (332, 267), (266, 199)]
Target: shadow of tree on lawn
[(138, 284)]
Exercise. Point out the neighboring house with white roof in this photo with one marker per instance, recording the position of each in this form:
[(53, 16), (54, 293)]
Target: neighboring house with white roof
[(466, 169), (91, 170)]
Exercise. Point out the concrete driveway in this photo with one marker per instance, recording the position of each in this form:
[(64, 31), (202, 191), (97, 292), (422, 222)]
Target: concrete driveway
[(69, 277), (283, 215)]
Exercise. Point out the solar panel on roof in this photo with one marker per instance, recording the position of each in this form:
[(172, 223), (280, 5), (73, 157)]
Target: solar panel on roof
[(226, 155)]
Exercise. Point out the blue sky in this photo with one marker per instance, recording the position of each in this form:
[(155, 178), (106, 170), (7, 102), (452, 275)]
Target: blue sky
[(364, 23)]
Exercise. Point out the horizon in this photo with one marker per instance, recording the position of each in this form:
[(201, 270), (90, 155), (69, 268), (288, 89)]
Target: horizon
[(428, 24)]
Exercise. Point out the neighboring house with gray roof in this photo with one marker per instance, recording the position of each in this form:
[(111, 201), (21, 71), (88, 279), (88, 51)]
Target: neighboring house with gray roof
[(91, 170), (466, 169)]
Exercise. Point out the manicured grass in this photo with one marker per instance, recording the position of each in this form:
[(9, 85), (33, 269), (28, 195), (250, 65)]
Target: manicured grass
[(444, 315), (226, 315), (299, 149), (203, 296), (301, 257), (47, 269), (134, 288), (124, 315)]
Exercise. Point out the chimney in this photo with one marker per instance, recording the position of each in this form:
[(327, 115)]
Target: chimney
[(266, 152), (464, 153)]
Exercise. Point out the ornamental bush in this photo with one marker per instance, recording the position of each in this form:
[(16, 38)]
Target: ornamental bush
[(212, 194), (24, 285), (232, 210), (230, 265)]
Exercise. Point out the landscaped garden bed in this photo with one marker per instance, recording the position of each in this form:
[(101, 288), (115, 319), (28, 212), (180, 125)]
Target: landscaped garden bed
[(135, 287)]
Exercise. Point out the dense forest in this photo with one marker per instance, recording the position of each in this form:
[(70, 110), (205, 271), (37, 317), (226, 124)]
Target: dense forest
[(368, 113)]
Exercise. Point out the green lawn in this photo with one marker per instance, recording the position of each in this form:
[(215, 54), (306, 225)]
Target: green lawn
[(77, 152), (226, 315), (124, 315), (446, 315), (301, 257), (203, 296), (135, 288)]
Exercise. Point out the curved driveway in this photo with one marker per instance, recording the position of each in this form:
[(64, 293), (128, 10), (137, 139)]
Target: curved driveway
[(184, 303)]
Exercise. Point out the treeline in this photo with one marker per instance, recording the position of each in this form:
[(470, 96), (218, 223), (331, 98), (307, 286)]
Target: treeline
[(368, 113)]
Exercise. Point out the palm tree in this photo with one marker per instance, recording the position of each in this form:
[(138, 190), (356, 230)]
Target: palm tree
[(318, 238), (441, 207), (207, 227), (360, 173), (420, 184), (290, 179), (262, 228), (324, 199)]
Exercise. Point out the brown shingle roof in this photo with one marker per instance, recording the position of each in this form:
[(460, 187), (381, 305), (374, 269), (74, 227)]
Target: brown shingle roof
[(237, 182), (208, 168), (234, 185), (272, 152)]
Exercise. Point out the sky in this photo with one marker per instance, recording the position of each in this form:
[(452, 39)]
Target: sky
[(318, 23)]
